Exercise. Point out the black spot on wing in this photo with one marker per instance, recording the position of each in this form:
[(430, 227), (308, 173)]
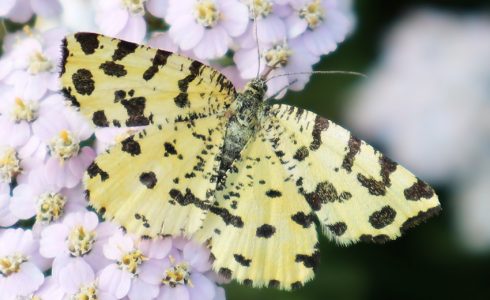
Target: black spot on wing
[(94, 170), (321, 124), (131, 146), (123, 49), (83, 82), (273, 193), (225, 273), (64, 56), (169, 149), (375, 187), (149, 179), (68, 96), (419, 218), (309, 261), (377, 239), (242, 260), (338, 228), (274, 283), (325, 192), (301, 153), (303, 219), (226, 216), (113, 69), (382, 218), (99, 119), (248, 282), (418, 191), (135, 108), (354, 145), (158, 61), (187, 199), (182, 100), (296, 285), (265, 231), (88, 41)]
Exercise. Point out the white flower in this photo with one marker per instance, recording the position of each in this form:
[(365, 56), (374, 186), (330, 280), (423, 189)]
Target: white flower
[(21, 10), (31, 64), (136, 267), (20, 265), (79, 236), (206, 26), (122, 18), (285, 59), (44, 200), (321, 24)]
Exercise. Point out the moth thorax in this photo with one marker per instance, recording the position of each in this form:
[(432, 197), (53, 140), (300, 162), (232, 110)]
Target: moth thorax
[(178, 274), (86, 292), (50, 207), (130, 261), (39, 63), (259, 8), (312, 13), (255, 89), (277, 56), (206, 13), (65, 145), (10, 264), (9, 164), (135, 6), (80, 241), (24, 111)]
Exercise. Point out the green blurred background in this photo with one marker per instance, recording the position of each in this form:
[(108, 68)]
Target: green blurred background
[(427, 263)]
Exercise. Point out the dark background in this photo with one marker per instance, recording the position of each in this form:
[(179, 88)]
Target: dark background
[(427, 263)]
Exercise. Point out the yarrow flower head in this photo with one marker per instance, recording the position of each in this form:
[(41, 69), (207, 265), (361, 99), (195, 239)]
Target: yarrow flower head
[(21, 268), (209, 27)]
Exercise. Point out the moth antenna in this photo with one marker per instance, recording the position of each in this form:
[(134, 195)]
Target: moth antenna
[(320, 73)]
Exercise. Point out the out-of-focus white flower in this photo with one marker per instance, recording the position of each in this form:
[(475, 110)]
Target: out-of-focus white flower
[(22, 10), (78, 281), (206, 26), (78, 15), (427, 100), (285, 59), (79, 236), (158, 8), (31, 62), (135, 269), (44, 200), (122, 18), (322, 24), (21, 271)]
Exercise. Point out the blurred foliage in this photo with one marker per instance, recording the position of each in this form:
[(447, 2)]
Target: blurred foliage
[(428, 262)]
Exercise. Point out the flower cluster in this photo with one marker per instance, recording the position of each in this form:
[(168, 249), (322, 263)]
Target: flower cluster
[(52, 246)]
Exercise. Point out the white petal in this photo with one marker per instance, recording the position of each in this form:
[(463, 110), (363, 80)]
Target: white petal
[(203, 288), (179, 292), (214, 43), (76, 274), (296, 26), (158, 8), (46, 8), (6, 6), (142, 290), (112, 23), (152, 271), (21, 12), (271, 30), (234, 17), (156, 248), (135, 29), (186, 33), (115, 281), (197, 256), (52, 241)]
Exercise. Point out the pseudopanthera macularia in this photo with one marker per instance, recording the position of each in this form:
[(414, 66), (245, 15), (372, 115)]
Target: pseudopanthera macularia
[(244, 176)]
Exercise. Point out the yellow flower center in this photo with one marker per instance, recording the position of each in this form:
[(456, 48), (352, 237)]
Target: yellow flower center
[(24, 111), (9, 164), (312, 13), (65, 145), (86, 292), (206, 13), (11, 264), (177, 275), (80, 241), (277, 56), (259, 8), (135, 6), (50, 207), (130, 261), (39, 63)]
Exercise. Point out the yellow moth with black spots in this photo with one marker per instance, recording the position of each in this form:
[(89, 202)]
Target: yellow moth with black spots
[(245, 176)]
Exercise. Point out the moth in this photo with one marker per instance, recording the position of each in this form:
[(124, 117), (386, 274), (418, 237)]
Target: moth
[(245, 176)]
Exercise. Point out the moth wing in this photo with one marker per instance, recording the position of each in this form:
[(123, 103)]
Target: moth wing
[(261, 230), (356, 192), (160, 180), (118, 83)]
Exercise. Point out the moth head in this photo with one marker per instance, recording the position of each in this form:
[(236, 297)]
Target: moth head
[(256, 88)]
